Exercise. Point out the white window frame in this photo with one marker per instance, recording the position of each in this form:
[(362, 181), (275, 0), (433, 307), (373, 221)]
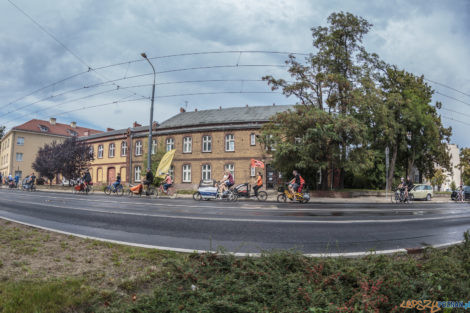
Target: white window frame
[(269, 143), (19, 157), (230, 142), (206, 143), (186, 173), (137, 173), (206, 172), (187, 144), (100, 152), (252, 139), (123, 148), (154, 146), (111, 150), (230, 167), (170, 144), (20, 141), (138, 147)]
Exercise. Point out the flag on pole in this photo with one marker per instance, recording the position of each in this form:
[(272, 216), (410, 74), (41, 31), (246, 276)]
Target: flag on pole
[(256, 163), (165, 163)]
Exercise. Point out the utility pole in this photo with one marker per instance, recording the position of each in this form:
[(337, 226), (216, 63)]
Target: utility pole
[(387, 161), (149, 154)]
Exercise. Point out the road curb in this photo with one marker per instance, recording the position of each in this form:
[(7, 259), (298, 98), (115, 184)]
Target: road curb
[(238, 254)]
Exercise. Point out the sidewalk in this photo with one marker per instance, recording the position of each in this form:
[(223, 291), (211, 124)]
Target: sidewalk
[(272, 196)]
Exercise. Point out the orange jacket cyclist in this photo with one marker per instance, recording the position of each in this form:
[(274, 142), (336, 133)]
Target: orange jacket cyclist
[(259, 183), (297, 183)]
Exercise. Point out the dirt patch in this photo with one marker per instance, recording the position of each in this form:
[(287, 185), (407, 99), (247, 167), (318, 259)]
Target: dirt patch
[(27, 253)]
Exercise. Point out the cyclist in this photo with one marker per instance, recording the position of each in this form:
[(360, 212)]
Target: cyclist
[(296, 184), (148, 180), (117, 182), (32, 179), (227, 181), (461, 194), (259, 183), (167, 183), (17, 180), (87, 178), (409, 186)]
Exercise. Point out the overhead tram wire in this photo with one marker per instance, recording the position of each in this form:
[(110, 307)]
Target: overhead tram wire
[(157, 57), (446, 86), (59, 42), (147, 74), (453, 119), (450, 97), (169, 96)]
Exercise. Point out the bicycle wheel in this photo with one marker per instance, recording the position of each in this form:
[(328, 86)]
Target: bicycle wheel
[(171, 191), (107, 190), (130, 194), (281, 198), (262, 196), (197, 196), (119, 191)]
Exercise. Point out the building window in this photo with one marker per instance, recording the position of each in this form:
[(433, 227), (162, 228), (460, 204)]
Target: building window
[(253, 140), (100, 151), (170, 144), (171, 171), (20, 141), (91, 151), (252, 171), (43, 128), (270, 144), (206, 172), (138, 147), (137, 171), (206, 143), (154, 146), (19, 174), (186, 173), (123, 148), (187, 144), (19, 157), (230, 142), (230, 168), (112, 147)]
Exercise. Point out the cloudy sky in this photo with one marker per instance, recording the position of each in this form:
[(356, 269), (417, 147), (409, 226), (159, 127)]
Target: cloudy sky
[(424, 37)]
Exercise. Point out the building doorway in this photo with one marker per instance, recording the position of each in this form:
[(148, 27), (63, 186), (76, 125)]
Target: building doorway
[(272, 177), (111, 174)]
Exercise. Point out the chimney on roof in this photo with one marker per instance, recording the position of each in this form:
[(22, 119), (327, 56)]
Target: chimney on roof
[(136, 124), (154, 124), (52, 120), (73, 124), (85, 133), (220, 107), (246, 105), (108, 129), (274, 104), (195, 110), (182, 110)]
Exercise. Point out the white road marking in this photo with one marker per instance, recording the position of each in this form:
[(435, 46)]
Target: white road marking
[(240, 254), (248, 220)]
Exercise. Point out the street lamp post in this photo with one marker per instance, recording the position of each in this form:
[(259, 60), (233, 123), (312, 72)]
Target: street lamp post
[(149, 155)]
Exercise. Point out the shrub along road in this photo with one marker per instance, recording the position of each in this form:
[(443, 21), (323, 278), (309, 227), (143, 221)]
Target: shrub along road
[(242, 227)]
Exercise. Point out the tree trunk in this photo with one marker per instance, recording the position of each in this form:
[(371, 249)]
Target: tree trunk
[(391, 170)]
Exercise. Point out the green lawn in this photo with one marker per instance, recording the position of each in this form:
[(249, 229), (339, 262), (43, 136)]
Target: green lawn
[(42, 271)]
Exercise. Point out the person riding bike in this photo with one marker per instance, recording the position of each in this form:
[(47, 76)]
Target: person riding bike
[(117, 182), (259, 183), (296, 184), (227, 181), (31, 180), (461, 194), (17, 180), (148, 180), (167, 183), (86, 179)]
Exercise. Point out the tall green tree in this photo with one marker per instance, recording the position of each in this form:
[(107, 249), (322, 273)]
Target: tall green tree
[(327, 81), (464, 165)]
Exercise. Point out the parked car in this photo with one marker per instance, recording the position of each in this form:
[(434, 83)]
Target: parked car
[(466, 190), (423, 192)]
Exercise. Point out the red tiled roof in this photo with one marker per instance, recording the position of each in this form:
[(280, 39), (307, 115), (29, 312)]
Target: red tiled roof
[(60, 129)]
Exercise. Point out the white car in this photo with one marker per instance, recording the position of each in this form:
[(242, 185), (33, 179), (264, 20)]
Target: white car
[(423, 192)]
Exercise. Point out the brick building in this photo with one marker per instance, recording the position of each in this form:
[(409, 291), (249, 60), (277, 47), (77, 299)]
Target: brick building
[(19, 146), (207, 142)]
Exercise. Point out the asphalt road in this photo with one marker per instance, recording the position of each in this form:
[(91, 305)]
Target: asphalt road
[(244, 226)]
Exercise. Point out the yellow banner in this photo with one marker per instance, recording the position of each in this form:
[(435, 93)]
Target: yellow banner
[(165, 163)]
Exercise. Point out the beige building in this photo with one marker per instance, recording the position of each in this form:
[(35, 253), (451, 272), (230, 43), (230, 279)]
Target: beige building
[(20, 145), (207, 143)]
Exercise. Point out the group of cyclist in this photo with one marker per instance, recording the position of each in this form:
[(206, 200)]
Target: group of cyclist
[(405, 186), (13, 182)]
